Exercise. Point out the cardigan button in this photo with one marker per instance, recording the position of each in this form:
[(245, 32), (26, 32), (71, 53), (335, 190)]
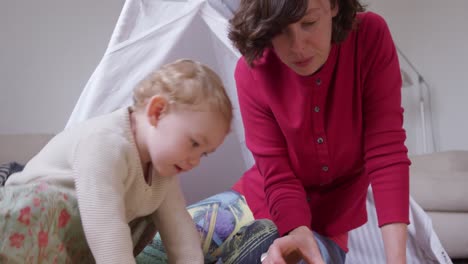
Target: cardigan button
[(317, 109), (325, 168), (320, 140), (318, 81)]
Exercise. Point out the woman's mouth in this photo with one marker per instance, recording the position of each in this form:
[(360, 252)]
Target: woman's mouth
[(302, 63)]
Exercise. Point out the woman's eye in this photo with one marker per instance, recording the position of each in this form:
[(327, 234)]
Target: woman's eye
[(308, 24), (283, 31), (204, 154)]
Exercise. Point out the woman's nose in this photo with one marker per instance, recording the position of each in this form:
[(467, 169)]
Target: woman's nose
[(296, 43)]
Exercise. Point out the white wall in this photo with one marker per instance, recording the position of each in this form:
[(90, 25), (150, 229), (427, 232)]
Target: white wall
[(48, 50), (434, 35)]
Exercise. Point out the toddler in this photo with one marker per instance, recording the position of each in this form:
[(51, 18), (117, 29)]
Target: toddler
[(123, 165)]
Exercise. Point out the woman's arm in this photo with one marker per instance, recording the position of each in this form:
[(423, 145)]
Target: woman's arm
[(386, 159), (394, 237)]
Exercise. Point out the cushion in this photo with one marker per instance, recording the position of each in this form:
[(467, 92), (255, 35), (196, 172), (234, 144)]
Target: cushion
[(451, 229), (439, 181), (40, 223), (217, 219)]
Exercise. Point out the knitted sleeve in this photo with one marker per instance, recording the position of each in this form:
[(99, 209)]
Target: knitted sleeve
[(176, 227), (99, 170), (386, 159)]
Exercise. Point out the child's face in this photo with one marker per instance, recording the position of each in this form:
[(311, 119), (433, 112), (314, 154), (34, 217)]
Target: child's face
[(181, 137)]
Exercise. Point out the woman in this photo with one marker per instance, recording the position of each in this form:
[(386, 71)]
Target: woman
[(319, 92)]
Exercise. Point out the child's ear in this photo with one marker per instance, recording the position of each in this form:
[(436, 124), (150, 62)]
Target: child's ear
[(155, 108)]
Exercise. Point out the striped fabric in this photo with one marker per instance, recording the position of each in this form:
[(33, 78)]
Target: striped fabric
[(7, 169), (4, 172), (424, 247)]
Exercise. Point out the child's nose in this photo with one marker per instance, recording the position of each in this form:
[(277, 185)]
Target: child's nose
[(194, 161)]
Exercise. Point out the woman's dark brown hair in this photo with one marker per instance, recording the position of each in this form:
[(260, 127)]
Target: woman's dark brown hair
[(256, 22)]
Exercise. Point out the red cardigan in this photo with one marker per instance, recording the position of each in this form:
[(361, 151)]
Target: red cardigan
[(318, 141)]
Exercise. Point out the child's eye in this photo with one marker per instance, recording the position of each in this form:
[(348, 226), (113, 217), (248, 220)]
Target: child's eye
[(195, 143), (204, 154)]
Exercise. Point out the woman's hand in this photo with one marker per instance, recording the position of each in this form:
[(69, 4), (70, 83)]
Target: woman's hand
[(290, 249)]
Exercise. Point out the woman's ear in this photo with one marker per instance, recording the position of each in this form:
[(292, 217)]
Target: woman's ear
[(335, 8), (156, 106)]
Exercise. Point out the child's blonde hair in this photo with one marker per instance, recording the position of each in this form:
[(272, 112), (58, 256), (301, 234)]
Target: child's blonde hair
[(188, 83)]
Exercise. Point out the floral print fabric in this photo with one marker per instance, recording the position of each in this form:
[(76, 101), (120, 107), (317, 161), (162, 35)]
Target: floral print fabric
[(40, 223)]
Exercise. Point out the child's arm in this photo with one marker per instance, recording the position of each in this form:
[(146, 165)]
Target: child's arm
[(100, 168), (176, 227)]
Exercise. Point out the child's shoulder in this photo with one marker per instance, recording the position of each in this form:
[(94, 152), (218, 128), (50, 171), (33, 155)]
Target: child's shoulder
[(115, 121), (112, 128)]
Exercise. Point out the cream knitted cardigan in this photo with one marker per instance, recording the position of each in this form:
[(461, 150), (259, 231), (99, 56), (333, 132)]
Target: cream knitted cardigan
[(100, 161)]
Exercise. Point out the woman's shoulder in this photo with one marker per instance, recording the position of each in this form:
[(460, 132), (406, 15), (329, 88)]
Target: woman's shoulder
[(266, 65), (371, 35), (369, 16), (370, 23), (261, 79)]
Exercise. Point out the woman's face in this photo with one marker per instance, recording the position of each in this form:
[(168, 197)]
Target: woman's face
[(304, 46)]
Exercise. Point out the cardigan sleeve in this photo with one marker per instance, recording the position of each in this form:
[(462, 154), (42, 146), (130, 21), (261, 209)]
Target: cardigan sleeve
[(285, 195), (99, 170), (178, 234), (386, 160)]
